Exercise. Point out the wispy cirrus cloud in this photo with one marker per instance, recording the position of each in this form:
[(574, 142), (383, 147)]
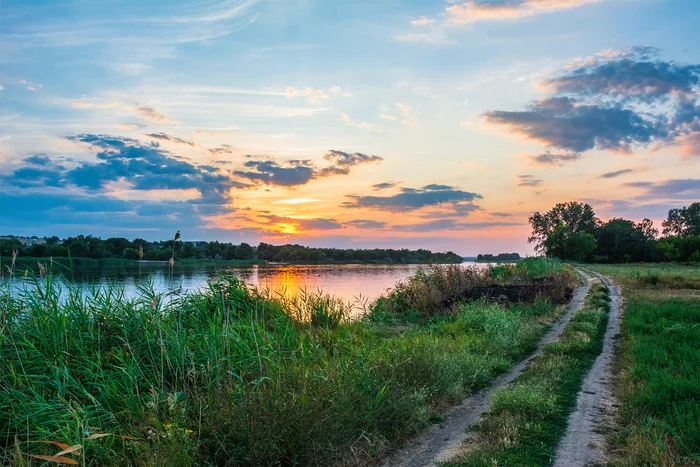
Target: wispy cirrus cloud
[(149, 113), (473, 11), (528, 181), (180, 23), (170, 138), (617, 173)]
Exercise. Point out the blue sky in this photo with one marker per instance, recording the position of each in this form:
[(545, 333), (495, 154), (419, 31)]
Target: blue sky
[(354, 124)]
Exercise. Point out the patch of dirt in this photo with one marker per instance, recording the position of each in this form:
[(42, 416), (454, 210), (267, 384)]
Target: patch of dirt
[(584, 443), (443, 441)]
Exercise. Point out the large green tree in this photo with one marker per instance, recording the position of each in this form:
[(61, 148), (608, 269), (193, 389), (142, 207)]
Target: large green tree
[(563, 221), (683, 221)]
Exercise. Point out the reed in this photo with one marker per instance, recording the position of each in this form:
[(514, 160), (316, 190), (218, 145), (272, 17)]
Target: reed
[(232, 374)]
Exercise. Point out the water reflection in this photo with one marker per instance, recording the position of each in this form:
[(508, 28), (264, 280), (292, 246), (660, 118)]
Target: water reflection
[(348, 282)]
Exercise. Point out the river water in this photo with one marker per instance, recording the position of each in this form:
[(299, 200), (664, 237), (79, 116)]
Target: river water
[(352, 283)]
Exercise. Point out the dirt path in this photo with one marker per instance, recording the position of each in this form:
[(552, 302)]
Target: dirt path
[(441, 442), (582, 445)]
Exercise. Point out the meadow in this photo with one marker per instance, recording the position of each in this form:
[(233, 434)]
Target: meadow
[(235, 375), (657, 366)]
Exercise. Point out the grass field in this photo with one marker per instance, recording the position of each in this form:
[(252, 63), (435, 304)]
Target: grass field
[(232, 376), (658, 366), (527, 419)]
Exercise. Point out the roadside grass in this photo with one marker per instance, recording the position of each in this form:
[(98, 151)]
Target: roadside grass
[(527, 419), (232, 375), (658, 377)]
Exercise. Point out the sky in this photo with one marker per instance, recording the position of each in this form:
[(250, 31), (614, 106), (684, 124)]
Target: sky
[(354, 124)]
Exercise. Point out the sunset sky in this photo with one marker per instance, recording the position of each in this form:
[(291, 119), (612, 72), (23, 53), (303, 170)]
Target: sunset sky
[(357, 124)]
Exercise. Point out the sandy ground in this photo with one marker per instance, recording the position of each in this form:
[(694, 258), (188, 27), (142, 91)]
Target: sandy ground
[(441, 442), (583, 445)]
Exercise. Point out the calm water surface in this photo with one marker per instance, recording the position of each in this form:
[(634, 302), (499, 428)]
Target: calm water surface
[(349, 282)]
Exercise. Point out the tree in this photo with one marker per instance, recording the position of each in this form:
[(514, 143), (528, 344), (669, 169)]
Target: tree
[(564, 244), (573, 217), (620, 240), (683, 221)]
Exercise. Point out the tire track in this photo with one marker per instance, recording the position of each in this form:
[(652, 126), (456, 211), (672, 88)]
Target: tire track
[(582, 445), (441, 442)]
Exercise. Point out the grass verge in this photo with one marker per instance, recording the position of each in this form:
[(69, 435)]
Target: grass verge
[(527, 419), (232, 376), (658, 367)]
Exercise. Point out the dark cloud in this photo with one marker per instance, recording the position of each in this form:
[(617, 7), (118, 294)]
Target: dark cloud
[(38, 159), (365, 224), (617, 101), (688, 188), (411, 198), (223, 149), (301, 172), (631, 75), (617, 173), (167, 137), (271, 173), (528, 181), (548, 158), (570, 124), (501, 214), (384, 186)]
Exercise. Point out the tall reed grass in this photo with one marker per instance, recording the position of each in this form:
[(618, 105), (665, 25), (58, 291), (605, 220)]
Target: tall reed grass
[(232, 375)]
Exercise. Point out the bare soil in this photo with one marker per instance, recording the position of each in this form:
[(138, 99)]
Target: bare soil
[(584, 443)]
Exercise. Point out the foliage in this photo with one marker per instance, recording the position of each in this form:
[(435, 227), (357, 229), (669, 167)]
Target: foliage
[(122, 248), (527, 419), (657, 382), (230, 376), (501, 257), (571, 217), (684, 221)]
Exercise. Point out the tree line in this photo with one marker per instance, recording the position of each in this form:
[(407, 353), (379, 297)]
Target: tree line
[(571, 231), (501, 257), (88, 246)]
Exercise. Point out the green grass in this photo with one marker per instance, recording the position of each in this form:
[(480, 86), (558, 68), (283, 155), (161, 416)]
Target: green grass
[(233, 376), (527, 419), (658, 382)]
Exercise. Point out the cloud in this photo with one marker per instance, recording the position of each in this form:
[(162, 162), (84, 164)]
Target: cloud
[(131, 126), (412, 199), (473, 11), (349, 122), (617, 173), (301, 172), (29, 85), (384, 186), (450, 224), (114, 26), (167, 137), (343, 161), (548, 158), (617, 100), (528, 181), (366, 224), (316, 94), (221, 150), (422, 21), (386, 116), (1, 87), (410, 118), (146, 168), (566, 123), (270, 172), (688, 188), (501, 214), (149, 113)]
